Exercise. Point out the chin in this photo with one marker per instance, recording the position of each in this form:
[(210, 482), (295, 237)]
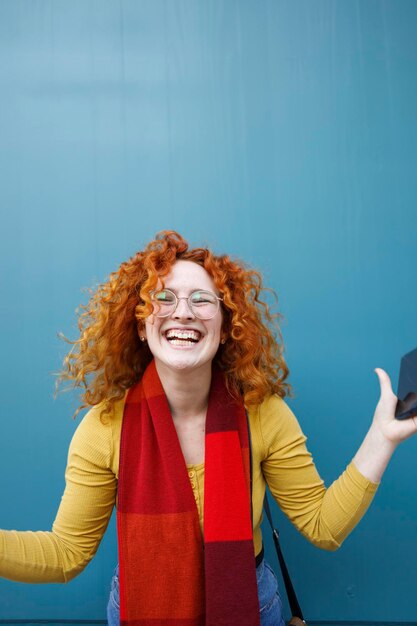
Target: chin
[(178, 364), (181, 363)]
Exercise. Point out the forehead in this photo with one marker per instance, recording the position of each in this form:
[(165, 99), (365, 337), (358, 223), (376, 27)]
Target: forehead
[(189, 275)]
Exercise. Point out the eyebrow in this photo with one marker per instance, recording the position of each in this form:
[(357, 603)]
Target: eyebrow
[(192, 290)]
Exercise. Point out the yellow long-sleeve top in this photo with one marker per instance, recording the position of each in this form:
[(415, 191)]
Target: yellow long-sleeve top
[(279, 456)]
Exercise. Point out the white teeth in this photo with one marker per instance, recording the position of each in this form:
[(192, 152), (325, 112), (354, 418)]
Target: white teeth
[(174, 333), (180, 342)]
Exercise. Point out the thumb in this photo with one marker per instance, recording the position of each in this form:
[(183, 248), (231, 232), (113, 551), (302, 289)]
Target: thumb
[(385, 384)]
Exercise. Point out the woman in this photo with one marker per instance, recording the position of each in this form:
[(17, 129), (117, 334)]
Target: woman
[(186, 380)]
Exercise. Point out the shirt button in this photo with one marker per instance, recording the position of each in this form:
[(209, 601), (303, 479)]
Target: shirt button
[(193, 484), (191, 473)]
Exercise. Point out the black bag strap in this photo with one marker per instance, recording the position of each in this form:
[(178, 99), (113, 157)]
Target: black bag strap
[(292, 598)]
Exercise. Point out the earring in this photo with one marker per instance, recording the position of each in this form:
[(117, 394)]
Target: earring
[(142, 338), (223, 340)]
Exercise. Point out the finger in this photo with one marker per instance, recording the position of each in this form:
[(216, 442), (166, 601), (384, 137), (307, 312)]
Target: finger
[(384, 381)]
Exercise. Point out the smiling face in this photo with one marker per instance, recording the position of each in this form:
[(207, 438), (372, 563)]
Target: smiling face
[(182, 341)]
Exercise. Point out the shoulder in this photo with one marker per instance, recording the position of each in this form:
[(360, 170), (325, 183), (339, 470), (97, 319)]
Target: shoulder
[(275, 422), (97, 436), (273, 410)]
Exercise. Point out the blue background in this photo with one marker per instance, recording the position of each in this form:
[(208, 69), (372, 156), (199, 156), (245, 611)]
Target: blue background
[(282, 132)]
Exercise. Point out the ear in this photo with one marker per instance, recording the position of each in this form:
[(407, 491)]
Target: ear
[(224, 331), (142, 331)]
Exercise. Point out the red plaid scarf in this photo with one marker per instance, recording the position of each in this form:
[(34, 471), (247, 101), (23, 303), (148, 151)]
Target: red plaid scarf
[(168, 575)]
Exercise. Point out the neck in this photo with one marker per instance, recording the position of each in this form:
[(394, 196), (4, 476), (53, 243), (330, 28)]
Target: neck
[(187, 391)]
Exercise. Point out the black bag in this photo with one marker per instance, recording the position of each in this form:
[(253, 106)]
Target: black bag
[(297, 618)]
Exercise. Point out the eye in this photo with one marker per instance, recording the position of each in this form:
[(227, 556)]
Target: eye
[(202, 297), (164, 297)]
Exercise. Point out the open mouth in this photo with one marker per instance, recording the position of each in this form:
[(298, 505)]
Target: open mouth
[(177, 337)]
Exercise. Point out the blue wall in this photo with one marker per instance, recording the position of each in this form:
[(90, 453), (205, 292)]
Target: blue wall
[(283, 132)]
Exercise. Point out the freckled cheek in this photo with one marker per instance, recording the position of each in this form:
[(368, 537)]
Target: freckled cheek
[(152, 327)]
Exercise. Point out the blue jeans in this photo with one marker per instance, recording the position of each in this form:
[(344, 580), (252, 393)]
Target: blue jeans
[(269, 598)]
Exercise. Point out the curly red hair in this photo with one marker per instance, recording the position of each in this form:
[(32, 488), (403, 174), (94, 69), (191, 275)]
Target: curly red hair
[(108, 357)]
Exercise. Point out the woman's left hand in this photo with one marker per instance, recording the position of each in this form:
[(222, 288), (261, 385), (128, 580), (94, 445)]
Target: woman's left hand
[(392, 429), (385, 433)]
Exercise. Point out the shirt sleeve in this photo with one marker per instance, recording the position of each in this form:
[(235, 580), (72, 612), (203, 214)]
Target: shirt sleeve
[(324, 516), (82, 518)]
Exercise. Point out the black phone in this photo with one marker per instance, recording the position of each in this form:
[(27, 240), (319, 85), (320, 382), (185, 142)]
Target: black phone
[(407, 387)]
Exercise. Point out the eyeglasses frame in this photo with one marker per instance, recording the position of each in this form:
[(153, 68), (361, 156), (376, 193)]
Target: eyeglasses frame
[(178, 298)]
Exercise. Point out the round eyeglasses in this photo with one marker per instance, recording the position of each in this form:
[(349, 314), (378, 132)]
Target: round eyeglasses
[(202, 304)]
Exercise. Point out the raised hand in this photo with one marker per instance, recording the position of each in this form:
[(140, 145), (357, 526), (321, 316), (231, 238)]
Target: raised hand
[(392, 429)]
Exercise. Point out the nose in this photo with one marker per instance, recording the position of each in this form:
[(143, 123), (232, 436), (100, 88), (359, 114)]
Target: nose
[(183, 310)]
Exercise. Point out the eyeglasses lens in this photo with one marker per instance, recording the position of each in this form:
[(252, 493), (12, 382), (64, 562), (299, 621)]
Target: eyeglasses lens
[(204, 304)]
